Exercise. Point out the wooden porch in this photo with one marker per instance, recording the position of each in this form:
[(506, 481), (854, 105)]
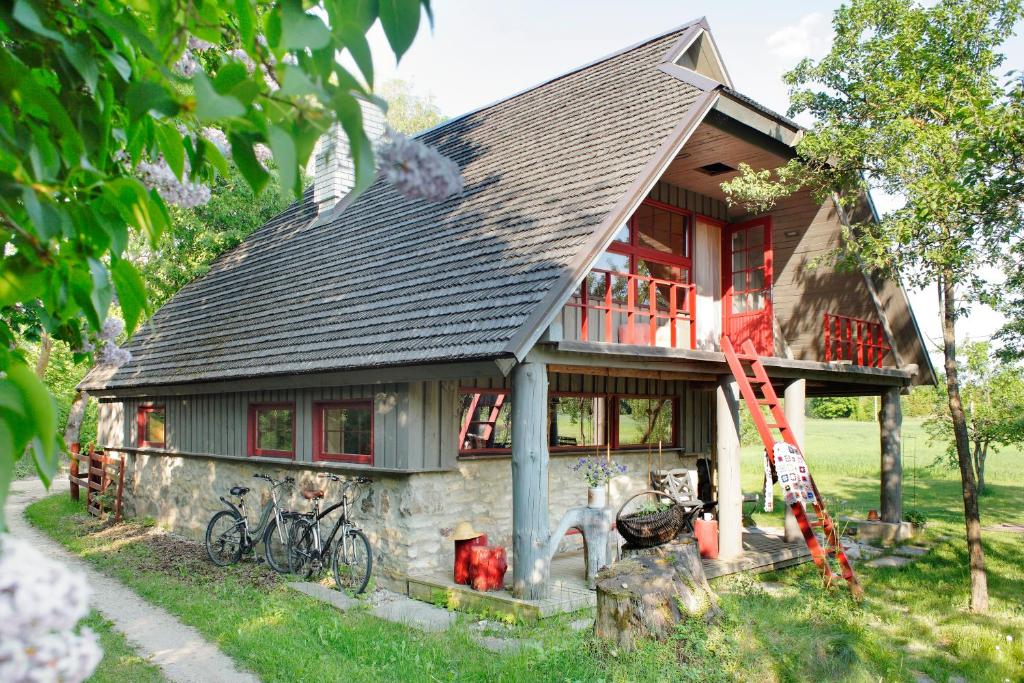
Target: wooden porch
[(763, 550)]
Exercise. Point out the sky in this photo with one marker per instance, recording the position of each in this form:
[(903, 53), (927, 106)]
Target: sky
[(482, 51)]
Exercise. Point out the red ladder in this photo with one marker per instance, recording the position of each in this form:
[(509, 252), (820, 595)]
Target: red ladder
[(750, 385)]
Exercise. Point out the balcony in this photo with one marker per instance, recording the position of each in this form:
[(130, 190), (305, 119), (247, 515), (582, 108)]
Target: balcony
[(855, 341), (625, 308)]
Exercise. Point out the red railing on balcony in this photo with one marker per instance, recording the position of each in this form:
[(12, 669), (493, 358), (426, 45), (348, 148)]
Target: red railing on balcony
[(861, 342), (635, 309)]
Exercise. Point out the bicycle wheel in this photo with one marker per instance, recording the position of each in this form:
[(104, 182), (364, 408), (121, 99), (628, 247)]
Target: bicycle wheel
[(275, 548), (224, 540), (352, 562), (301, 548)]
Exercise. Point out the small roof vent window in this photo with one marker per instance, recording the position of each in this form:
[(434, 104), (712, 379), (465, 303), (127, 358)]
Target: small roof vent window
[(702, 56), (717, 168)]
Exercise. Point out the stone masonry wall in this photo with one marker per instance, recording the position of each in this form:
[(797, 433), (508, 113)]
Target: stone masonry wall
[(408, 518)]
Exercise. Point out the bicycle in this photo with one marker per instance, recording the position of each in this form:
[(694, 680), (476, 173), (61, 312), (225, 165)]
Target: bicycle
[(351, 559), (228, 535)]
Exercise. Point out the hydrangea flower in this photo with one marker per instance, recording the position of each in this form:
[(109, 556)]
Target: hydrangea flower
[(416, 170), (40, 603)]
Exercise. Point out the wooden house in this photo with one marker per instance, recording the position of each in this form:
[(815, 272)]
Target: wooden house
[(464, 353)]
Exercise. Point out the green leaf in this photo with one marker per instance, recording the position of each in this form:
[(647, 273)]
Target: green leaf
[(170, 145), (102, 293), (39, 406), (283, 147), (248, 164), (26, 14), (400, 20), (143, 97), (131, 292), (300, 30), (359, 48), (246, 22), (210, 104)]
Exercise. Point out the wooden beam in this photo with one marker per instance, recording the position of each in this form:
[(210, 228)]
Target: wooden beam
[(530, 561), (890, 421), (727, 456), (627, 372)]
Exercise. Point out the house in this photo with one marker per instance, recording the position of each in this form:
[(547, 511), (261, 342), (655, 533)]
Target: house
[(570, 301)]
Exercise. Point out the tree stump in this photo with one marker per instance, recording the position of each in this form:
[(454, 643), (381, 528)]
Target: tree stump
[(647, 595)]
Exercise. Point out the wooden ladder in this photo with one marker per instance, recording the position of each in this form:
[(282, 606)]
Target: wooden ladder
[(757, 391)]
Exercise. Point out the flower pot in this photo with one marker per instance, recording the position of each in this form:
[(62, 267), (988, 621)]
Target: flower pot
[(597, 497)]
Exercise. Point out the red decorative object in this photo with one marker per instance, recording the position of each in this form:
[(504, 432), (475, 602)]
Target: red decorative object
[(873, 516), (487, 567), (462, 553), (706, 533)]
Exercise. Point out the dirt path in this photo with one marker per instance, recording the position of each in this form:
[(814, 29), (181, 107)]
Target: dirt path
[(179, 650)]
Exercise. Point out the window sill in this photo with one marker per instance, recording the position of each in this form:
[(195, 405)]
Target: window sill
[(576, 452)]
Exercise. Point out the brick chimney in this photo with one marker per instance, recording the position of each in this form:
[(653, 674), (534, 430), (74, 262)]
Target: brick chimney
[(334, 174)]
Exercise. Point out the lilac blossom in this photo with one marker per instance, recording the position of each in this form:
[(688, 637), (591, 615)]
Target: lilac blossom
[(40, 603), (187, 65), (416, 170), (597, 471), (110, 353), (157, 175)]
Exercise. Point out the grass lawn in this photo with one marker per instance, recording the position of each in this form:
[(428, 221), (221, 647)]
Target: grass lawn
[(120, 662), (914, 620)]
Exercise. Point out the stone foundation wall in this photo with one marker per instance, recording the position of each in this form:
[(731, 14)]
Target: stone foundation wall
[(408, 518)]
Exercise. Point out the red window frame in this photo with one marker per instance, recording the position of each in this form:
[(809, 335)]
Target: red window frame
[(635, 252), (507, 393), (611, 399), (254, 408), (319, 453), (142, 417)]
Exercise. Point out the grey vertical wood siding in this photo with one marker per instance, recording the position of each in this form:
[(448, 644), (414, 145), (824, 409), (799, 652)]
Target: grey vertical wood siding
[(415, 424)]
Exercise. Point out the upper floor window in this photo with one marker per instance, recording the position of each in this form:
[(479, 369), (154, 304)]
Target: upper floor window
[(343, 431), (152, 420), (272, 429)]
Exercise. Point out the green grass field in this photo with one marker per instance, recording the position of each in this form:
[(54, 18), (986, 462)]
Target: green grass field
[(914, 620)]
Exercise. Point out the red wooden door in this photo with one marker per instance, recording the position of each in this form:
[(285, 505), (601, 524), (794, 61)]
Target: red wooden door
[(747, 284)]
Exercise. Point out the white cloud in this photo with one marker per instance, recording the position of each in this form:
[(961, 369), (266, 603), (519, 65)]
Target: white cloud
[(809, 37)]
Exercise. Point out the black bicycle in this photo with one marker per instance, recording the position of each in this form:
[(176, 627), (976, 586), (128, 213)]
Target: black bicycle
[(351, 559), (229, 535)]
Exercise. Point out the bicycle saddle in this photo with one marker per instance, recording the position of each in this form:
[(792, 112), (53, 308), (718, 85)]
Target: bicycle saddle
[(239, 490), (312, 494)]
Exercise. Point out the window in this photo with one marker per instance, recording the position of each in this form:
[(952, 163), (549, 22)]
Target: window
[(343, 431), (577, 420), (645, 421), (272, 429), (151, 421), (486, 421)]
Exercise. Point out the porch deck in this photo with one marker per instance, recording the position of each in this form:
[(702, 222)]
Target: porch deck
[(763, 550)]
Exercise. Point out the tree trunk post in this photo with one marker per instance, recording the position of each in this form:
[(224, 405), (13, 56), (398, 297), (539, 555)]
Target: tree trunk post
[(890, 422), (727, 453), (529, 481), (795, 396)]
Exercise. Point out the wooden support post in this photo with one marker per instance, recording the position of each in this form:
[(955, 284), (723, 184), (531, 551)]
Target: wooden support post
[(727, 454), (890, 421), (530, 562), (73, 469), (795, 399)]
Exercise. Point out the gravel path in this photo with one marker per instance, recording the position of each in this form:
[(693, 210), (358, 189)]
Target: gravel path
[(179, 650)]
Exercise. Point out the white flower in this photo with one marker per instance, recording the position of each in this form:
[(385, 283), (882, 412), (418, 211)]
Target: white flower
[(243, 57), (40, 603), (187, 64), (263, 153), (113, 355), (159, 176), (416, 170), (219, 139), (112, 328)]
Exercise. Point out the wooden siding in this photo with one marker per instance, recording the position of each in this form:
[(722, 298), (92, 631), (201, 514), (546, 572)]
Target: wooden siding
[(416, 424)]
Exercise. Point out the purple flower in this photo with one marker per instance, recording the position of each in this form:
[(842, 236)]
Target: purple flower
[(416, 170)]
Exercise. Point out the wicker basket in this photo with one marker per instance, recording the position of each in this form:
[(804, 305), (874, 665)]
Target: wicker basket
[(647, 531)]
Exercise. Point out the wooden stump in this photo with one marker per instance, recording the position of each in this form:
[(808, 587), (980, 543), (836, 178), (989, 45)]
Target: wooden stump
[(647, 595)]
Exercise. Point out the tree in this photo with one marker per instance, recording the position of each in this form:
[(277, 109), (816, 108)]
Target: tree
[(409, 112), (908, 102), (994, 395), (109, 113)]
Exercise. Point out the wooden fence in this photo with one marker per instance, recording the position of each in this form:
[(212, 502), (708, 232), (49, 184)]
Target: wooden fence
[(99, 473)]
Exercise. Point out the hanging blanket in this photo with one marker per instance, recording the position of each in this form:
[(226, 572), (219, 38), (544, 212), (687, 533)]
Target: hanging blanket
[(791, 471)]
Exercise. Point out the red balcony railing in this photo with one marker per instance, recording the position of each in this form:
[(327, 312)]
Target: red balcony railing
[(635, 309), (861, 342)]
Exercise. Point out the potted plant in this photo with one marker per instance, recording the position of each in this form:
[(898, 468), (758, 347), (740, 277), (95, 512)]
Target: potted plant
[(597, 472)]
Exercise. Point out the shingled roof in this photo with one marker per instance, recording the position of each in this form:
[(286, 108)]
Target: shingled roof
[(389, 281)]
